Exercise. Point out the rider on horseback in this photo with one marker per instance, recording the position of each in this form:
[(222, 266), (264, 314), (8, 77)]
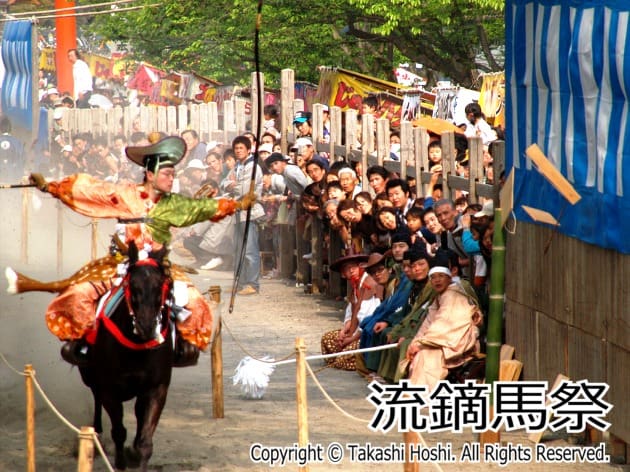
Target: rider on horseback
[(148, 211)]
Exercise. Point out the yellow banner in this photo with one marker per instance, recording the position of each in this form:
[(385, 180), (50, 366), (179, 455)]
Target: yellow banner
[(344, 91), (47, 60), (492, 98)]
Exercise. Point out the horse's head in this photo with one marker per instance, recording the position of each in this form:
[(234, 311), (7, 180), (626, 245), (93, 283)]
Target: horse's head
[(147, 288)]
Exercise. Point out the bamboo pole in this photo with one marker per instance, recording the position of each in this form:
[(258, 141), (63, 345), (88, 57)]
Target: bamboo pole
[(86, 449), (30, 418), (300, 384), (497, 290), (216, 362), (495, 317)]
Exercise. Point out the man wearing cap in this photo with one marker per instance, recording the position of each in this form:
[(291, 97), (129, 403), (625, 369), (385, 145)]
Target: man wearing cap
[(449, 335), (294, 178), (51, 96), (316, 169), (193, 175), (375, 328), (302, 122), (364, 297), (305, 149), (146, 213)]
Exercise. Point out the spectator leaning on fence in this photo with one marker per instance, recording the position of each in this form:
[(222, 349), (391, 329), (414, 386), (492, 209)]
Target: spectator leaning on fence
[(195, 148), (451, 237), (302, 122), (316, 168), (377, 178)]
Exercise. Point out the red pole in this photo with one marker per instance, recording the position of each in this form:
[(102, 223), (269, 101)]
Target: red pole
[(66, 39)]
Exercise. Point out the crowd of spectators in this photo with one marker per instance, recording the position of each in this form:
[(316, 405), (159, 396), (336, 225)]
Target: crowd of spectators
[(392, 233)]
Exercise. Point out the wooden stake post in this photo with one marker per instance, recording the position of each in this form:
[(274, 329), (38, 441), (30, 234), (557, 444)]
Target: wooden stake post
[(300, 385), (216, 362), (30, 419), (86, 449)]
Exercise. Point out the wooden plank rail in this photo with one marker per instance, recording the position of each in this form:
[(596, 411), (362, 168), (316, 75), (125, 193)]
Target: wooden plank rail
[(552, 317), (234, 119)]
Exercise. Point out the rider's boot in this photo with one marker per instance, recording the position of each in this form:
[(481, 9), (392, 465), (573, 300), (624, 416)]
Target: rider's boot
[(185, 353), (75, 352)]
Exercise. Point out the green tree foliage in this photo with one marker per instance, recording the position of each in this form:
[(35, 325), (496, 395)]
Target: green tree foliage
[(455, 38), (215, 38)]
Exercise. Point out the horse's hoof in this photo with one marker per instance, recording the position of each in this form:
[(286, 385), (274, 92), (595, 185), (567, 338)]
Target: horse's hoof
[(132, 457)]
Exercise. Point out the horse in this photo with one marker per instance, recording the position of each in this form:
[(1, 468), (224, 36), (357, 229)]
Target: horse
[(132, 356)]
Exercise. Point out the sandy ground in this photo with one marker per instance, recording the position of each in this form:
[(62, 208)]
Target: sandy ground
[(188, 437)]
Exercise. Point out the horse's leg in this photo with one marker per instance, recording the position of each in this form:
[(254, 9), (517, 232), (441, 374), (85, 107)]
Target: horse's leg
[(115, 411), (98, 414), (148, 410)]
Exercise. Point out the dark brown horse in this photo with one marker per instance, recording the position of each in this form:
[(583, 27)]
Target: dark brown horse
[(132, 357)]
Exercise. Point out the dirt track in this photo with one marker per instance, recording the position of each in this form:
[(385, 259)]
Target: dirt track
[(188, 438)]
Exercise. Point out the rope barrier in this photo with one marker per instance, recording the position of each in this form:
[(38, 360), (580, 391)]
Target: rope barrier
[(288, 360), (4, 359), (267, 361), (329, 398), (352, 417), (57, 413)]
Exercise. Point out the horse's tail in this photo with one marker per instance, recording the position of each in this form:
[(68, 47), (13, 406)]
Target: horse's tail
[(19, 283)]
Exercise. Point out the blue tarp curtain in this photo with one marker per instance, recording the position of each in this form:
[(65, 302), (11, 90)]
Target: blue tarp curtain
[(568, 87), (17, 87)]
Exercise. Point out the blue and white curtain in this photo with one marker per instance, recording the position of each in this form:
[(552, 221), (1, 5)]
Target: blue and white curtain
[(568, 90), (17, 86)]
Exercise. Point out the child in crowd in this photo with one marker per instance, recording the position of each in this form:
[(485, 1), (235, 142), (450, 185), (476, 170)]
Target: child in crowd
[(334, 191), (435, 156)]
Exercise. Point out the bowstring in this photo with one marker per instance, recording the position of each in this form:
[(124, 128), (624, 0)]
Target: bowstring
[(252, 185)]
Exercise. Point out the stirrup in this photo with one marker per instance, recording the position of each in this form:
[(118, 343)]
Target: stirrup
[(75, 353), (185, 354)]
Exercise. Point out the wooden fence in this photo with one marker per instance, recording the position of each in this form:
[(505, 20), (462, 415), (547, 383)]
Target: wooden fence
[(567, 311), (567, 308), (235, 119)]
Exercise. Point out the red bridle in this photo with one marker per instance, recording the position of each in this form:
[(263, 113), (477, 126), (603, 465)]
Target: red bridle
[(111, 326)]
